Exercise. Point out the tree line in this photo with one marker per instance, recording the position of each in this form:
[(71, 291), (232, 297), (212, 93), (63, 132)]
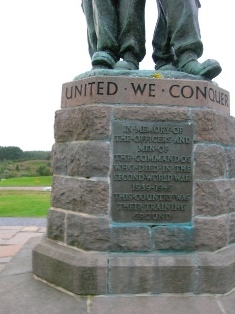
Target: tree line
[(14, 153)]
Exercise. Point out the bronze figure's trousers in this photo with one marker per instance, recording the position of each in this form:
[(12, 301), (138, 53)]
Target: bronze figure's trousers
[(116, 26), (177, 30)]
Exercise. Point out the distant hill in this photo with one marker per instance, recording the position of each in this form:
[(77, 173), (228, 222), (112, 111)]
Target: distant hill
[(26, 168), (17, 163), (14, 153)]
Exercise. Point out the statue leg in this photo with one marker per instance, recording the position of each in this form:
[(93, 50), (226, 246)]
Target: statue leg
[(163, 54), (102, 22), (177, 30), (184, 26), (91, 34), (184, 35), (131, 36), (186, 40)]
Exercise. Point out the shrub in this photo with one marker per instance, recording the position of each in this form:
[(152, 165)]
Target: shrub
[(43, 171)]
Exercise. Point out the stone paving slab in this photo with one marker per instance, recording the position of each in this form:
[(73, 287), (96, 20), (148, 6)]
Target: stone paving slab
[(22, 294), (1, 267), (4, 260), (154, 305), (227, 302), (12, 238), (10, 227), (7, 234), (22, 237), (22, 262), (30, 229), (9, 250)]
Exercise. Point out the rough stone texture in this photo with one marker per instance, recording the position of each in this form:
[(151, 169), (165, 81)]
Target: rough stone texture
[(56, 225), (178, 273), (232, 228), (134, 239), (232, 195), (134, 275), (65, 268), (211, 234), (213, 127), (21, 292), (215, 273), (213, 197), (173, 237), (111, 273), (144, 113), (95, 233), (82, 159), (209, 162), (151, 273), (230, 162), (82, 123), (88, 232), (139, 257), (80, 195)]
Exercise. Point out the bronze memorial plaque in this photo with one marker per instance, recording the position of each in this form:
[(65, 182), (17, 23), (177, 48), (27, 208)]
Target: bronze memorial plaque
[(152, 172)]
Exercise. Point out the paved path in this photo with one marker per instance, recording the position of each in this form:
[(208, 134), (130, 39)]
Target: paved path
[(13, 238), (16, 231), (21, 221), (25, 188)]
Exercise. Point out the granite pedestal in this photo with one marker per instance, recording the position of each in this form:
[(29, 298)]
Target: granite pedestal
[(143, 187)]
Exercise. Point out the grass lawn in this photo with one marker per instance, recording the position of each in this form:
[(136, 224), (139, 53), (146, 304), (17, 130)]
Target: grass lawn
[(27, 181), (24, 203)]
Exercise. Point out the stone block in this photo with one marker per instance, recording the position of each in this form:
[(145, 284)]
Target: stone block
[(214, 127), (94, 255), (230, 152), (210, 162), (88, 232), (69, 269), (232, 228), (232, 195), (56, 225), (143, 88), (211, 234), (177, 273), (173, 237), (82, 123), (216, 272), (213, 197), (118, 273), (134, 274), (151, 274), (82, 159), (147, 113), (80, 195), (131, 239)]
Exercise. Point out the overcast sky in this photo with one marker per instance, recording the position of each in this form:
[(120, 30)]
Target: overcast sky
[(43, 45)]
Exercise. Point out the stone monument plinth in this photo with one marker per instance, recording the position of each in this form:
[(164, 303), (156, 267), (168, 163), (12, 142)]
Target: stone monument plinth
[(143, 187)]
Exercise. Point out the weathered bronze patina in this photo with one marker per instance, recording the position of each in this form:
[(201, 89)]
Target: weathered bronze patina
[(152, 172)]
